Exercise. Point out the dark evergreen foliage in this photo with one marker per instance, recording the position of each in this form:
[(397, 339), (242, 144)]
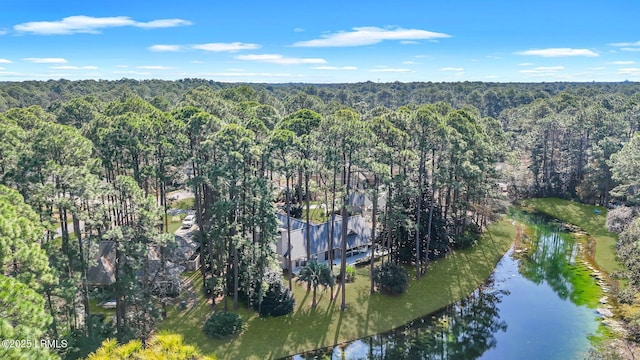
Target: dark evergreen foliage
[(390, 278), (277, 301), (468, 236), (223, 324)]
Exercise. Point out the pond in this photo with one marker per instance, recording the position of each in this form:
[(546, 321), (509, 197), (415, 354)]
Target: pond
[(539, 303)]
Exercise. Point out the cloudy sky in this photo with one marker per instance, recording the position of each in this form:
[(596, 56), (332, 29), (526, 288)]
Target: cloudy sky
[(321, 41)]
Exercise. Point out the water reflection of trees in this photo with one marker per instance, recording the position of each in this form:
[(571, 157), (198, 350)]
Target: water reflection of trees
[(460, 331), (550, 257), (549, 260)]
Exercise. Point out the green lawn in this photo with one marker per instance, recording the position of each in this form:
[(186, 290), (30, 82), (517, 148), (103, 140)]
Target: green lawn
[(95, 309), (447, 280), (315, 215), (583, 216), (174, 223)]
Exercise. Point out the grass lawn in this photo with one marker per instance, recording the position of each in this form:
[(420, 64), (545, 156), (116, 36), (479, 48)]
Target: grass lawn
[(315, 215), (174, 223), (583, 216), (95, 309), (447, 280)]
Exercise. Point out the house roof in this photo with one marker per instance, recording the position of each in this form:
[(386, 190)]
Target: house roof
[(358, 232), (363, 200), (103, 272), (359, 199), (185, 245)]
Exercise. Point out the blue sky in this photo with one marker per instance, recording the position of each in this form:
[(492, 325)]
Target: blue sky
[(321, 41)]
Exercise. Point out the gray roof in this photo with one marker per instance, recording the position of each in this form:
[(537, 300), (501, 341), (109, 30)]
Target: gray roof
[(359, 199), (358, 232), (362, 200), (103, 272), (185, 245)]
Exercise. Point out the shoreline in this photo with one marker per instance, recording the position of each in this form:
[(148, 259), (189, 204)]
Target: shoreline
[(448, 280)]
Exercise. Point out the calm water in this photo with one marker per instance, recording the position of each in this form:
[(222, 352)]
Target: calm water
[(538, 304)]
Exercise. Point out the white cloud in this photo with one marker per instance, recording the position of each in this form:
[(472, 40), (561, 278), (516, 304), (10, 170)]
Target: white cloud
[(622, 62), (421, 56), (196, 62), (298, 30), (525, 64), (245, 74), (549, 68), (392, 70), (69, 67), (361, 36), (1, 68), (624, 44), (131, 72), (410, 63), (457, 71), (335, 68), (632, 49), (3, 32), (46, 60), (409, 42), (558, 52), (629, 71), (5, 61), (279, 59), (543, 71), (165, 48), (154, 67), (226, 47), (91, 25), (162, 23)]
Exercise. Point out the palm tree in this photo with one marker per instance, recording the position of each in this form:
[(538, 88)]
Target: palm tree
[(314, 274)]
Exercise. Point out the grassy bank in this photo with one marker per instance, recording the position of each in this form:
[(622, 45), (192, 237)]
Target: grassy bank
[(584, 217), (447, 280)]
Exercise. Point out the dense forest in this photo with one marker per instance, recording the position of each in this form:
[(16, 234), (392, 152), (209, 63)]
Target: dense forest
[(84, 162)]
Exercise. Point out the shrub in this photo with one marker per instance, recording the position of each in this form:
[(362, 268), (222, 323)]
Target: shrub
[(390, 278), (350, 272), (619, 218), (277, 300), (296, 211), (184, 204), (468, 236), (223, 324)]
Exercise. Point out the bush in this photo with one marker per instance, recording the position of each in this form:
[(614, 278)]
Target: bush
[(296, 211), (619, 218), (390, 278), (184, 204), (468, 237), (277, 300), (223, 324), (350, 272)]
